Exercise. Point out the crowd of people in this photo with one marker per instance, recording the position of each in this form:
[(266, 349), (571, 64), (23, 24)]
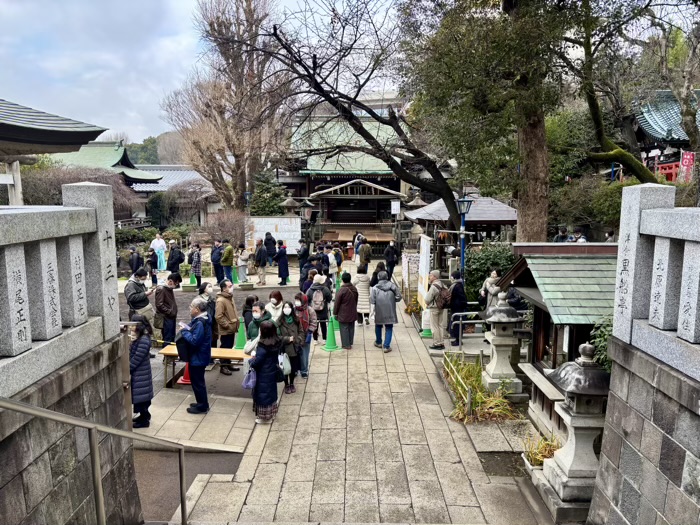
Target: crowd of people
[(277, 327)]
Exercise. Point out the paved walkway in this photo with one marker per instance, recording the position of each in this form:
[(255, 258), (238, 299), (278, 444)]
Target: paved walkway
[(366, 439)]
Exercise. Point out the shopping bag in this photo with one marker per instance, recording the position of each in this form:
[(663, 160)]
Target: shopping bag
[(249, 379)]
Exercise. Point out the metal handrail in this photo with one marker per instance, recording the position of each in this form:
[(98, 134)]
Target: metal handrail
[(93, 428), (460, 318)]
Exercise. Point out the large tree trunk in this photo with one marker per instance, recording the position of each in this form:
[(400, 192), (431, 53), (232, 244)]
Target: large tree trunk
[(533, 188)]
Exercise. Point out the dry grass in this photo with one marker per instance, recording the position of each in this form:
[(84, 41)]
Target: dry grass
[(537, 450)]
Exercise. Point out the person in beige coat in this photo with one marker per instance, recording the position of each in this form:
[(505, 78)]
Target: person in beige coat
[(361, 282), (437, 314), (227, 320)]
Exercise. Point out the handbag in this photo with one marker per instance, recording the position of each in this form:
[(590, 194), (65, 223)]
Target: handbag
[(184, 351), (158, 319), (285, 364), (249, 379), (251, 345)]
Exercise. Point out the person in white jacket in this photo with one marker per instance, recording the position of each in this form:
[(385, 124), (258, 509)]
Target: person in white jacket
[(361, 282), (242, 263)]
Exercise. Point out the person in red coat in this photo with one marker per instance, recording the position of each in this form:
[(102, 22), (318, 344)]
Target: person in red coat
[(345, 310)]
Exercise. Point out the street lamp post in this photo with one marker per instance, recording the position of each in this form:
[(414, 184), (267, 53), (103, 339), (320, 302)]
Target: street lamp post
[(463, 205)]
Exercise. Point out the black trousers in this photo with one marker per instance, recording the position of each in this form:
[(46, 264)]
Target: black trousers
[(296, 366), (142, 410), (218, 272), (323, 323), (390, 269), (168, 330), (199, 387), (226, 341)]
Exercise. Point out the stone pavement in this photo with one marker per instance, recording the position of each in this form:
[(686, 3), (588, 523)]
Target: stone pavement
[(366, 439), (226, 428)]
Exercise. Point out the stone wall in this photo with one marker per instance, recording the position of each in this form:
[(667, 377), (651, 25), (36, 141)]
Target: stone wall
[(45, 476), (649, 464)]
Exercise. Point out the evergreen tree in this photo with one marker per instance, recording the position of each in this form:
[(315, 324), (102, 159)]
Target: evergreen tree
[(267, 196)]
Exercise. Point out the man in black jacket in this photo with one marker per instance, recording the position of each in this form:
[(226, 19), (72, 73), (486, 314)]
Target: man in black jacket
[(260, 260), (303, 253), (270, 246), (135, 260), (216, 252), (175, 258), (391, 257)]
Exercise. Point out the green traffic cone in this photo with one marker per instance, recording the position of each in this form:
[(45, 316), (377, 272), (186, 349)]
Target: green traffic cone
[(331, 345), (337, 283), (193, 278), (289, 280), (234, 275), (240, 336), (427, 333)]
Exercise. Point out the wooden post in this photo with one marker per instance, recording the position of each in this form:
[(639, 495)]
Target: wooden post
[(14, 190)]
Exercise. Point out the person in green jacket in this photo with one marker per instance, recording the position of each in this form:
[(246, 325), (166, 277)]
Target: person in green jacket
[(227, 259), (259, 315)]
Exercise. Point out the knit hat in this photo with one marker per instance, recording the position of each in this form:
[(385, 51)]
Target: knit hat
[(435, 273), (319, 279)]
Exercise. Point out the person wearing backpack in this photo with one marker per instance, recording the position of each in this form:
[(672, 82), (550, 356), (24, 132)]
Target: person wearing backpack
[(320, 297), (437, 299), (175, 258)]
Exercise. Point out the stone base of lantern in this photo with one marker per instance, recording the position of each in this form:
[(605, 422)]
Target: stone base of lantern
[(569, 512), (568, 489), (512, 385)]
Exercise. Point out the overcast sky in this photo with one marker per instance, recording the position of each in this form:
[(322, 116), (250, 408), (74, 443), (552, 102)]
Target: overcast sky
[(105, 62)]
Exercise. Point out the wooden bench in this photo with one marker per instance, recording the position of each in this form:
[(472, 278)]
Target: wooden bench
[(169, 354)]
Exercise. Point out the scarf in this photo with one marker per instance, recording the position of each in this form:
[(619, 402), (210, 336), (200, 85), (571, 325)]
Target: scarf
[(303, 313)]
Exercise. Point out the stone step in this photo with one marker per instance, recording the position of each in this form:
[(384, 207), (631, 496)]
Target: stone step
[(283, 523)]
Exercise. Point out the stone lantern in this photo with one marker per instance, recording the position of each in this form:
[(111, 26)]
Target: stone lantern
[(290, 205), (572, 470), (503, 319)]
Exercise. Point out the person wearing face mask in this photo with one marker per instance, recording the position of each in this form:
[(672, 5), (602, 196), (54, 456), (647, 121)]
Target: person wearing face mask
[(247, 312), (137, 295), (260, 315), (309, 323), (293, 336), (227, 321), (198, 337), (345, 311), (391, 257), (206, 293), (166, 306), (275, 304)]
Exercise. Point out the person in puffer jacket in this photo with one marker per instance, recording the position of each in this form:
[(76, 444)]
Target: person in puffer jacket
[(140, 368)]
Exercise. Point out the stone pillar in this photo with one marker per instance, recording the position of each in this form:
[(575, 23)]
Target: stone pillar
[(100, 252), (666, 283), (71, 278), (503, 320), (635, 256), (15, 327), (689, 311), (42, 274)]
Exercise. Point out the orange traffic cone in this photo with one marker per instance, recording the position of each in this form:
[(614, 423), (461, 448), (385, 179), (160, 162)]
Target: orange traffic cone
[(185, 379)]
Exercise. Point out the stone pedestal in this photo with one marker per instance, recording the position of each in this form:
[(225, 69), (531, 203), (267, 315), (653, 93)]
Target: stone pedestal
[(15, 327), (499, 369), (100, 252), (71, 278), (45, 306)]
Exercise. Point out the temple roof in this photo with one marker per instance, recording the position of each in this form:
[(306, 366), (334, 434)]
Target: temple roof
[(110, 156), (660, 118), (172, 175), (28, 131), (484, 210)]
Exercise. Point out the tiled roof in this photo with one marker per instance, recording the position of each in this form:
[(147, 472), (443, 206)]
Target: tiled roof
[(15, 115), (575, 289), (171, 175), (660, 118), (106, 155), (484, 210)]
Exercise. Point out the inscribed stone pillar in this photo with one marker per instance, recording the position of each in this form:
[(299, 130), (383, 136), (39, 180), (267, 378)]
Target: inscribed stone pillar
[(635, 255), (42, 274), (666, 283), (15, 327), (689, 312), (71, 277), (100, 252)]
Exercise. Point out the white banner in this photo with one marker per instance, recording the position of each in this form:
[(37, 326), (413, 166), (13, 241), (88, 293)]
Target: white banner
[(283, 227), (426, 244)]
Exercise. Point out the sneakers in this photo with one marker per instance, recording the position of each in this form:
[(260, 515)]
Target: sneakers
[(263, 421), (367, 321), (437, 347), (378, 345), (387, 349), (195, 410), (305, 376), (225, 370)]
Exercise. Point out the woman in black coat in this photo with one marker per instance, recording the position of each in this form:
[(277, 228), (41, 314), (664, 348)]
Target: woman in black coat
[(265, 364), (282, 263), (140, 367), (458, 304)]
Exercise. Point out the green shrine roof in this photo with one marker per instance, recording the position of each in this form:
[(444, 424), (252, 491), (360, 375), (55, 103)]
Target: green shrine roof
[(110, 156), (660, 118), (576, 289), (314, 134)]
